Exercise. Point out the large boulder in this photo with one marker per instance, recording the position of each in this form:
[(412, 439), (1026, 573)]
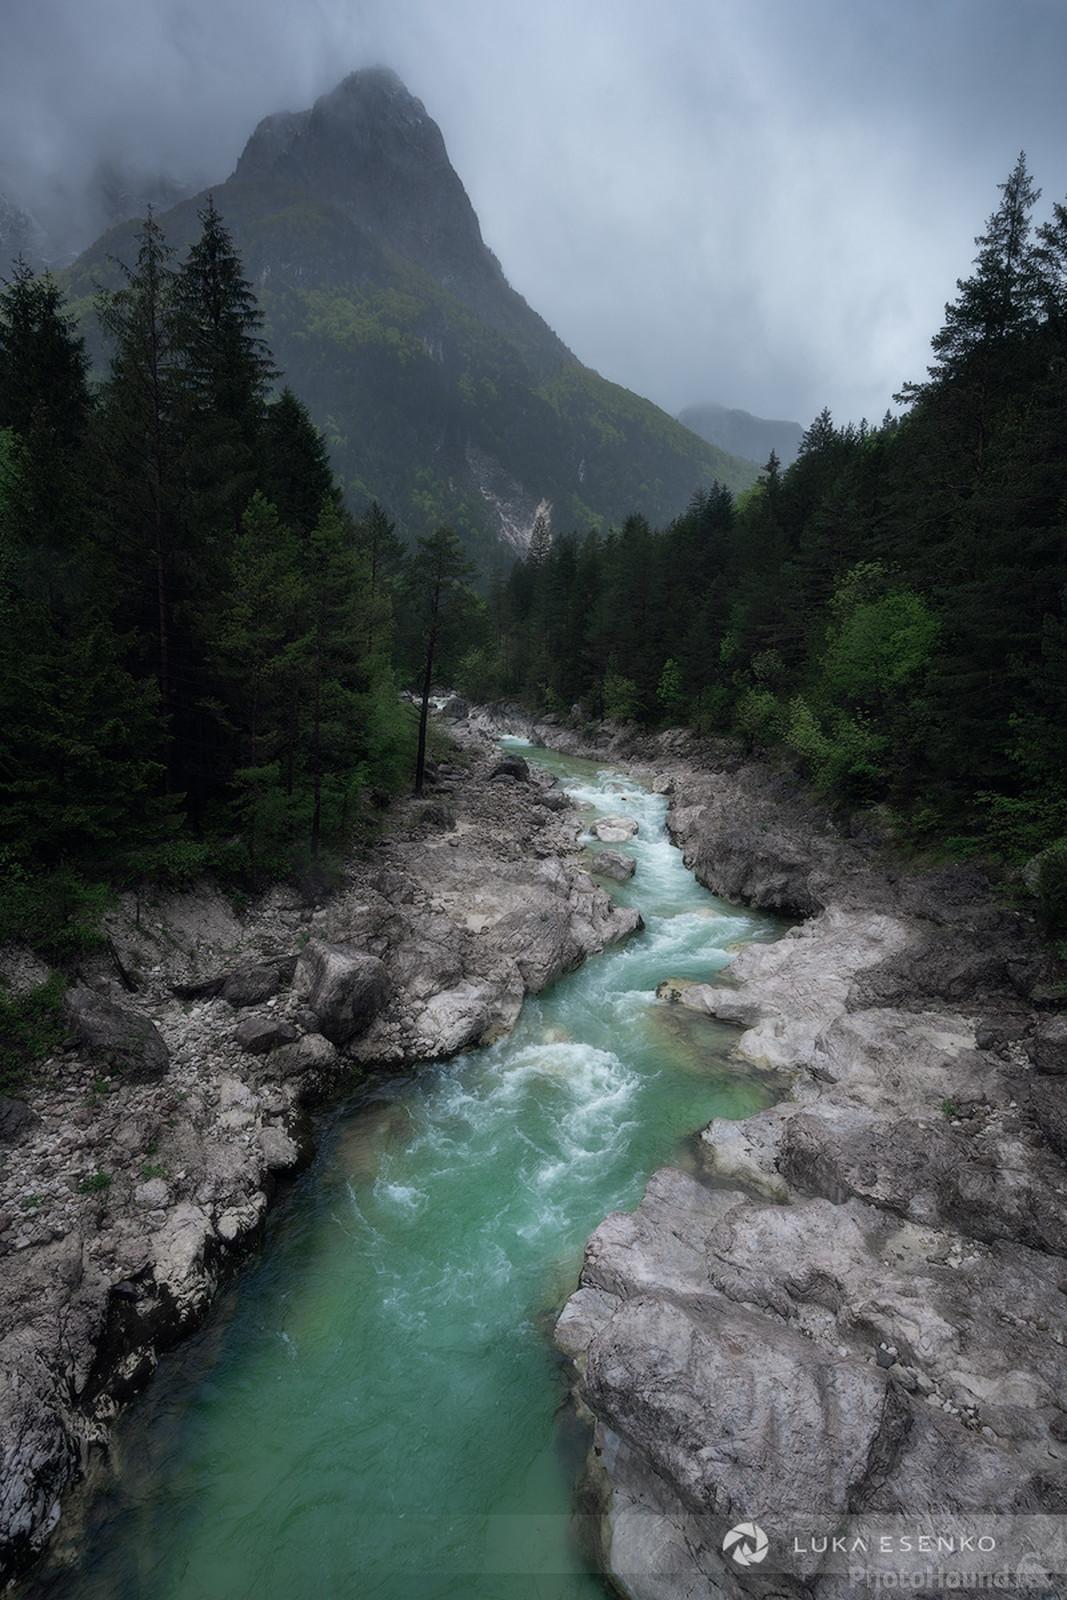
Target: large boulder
[(511, 767), (613, 864), (311, 1057), (438, 816), (1048, 1047), (258, 1035), (614, 830), (16, 1119), (123, 1040), (345, 988), (250, 986)]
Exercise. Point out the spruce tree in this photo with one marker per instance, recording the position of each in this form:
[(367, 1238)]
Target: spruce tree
[(294, 467), (138, 449), (225, 370), (436, 590)]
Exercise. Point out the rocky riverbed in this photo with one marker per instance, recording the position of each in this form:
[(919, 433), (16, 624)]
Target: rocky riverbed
[(142, 1162), (855, 1305)]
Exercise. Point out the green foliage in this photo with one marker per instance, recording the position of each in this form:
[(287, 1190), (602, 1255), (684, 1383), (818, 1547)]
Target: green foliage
[(56, 912), (669, 690), (31, 1027), (1051, 885), (878, 641), (193, 676), (98, 1182), (759, 717), (480, 675), (843, 756), (620, 697), (891, 611)]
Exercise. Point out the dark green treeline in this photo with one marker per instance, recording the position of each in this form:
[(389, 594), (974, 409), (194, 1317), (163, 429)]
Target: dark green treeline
[(890, 610), (198, 644)]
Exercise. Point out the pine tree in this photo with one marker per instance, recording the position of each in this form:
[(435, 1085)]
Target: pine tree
[(333, 675), (540, 541), (294, 469), (224, 370), (43, 365), (1001, 297), (138, 446), (44, 400), (436, 589), (384, 555)]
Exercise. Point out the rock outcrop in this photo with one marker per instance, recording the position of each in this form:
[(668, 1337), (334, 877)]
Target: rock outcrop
[(613, 864), (142, 1160), (614, 830), (855, 1303)]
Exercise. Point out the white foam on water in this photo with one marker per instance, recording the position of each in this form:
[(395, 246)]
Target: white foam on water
[(404, 1196)]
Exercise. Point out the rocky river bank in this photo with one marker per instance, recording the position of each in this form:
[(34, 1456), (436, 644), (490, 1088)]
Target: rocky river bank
[(140, 1164), (855, 1306)]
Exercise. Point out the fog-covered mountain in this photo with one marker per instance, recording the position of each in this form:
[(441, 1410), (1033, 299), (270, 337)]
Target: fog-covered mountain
[(742, 434), (442, 393)]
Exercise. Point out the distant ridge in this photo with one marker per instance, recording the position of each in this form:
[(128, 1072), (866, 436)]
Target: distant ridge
[(742, 434)]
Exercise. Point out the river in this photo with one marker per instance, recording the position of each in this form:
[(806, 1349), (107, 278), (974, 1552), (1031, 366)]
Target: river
[(375, 1409)]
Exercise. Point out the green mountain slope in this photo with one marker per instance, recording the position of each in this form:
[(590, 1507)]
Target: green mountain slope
[(440, 391)]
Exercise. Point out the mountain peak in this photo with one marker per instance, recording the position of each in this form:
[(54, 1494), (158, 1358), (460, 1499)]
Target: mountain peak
[(370, 148)]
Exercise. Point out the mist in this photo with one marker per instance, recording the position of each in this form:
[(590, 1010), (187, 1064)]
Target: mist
[(764, 203)]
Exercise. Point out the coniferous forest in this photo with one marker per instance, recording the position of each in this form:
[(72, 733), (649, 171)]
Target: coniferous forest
[(889, 612), (202, 648), (585, 911), (198, 648)]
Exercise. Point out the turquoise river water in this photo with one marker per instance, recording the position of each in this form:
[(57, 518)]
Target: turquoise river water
[(375, 1409)]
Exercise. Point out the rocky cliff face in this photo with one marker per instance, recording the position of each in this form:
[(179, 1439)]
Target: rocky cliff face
[(145, 1157), (370, 149), (854, 1306)]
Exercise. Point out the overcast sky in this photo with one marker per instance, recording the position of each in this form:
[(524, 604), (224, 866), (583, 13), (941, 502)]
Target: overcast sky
[(764, 202)]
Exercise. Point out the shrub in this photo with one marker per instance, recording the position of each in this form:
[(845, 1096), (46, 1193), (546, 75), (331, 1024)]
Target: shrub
[(621, 699), (759, 717), (31, 1027), (1051, 887)]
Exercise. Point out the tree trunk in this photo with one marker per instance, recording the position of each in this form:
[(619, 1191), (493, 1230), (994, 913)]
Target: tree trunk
[(424, 712), (316, 762)]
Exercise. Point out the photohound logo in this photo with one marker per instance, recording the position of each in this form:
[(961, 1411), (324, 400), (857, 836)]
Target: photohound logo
[(747, 1544)]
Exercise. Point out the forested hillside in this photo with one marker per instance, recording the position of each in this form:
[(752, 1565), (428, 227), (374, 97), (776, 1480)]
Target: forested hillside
[(198, 640), (890, 610), (441, 393), (201, 649)]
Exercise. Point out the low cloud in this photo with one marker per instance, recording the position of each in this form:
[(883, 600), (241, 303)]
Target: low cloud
[(756, 201)]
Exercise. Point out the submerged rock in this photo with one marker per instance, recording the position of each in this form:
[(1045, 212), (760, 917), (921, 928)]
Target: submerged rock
[(614, 830), (613, 864)]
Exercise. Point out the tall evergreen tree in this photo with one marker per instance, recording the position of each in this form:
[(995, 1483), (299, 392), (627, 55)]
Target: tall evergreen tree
[(294, 471), (225, 371), (436, 588), (139, 448)]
